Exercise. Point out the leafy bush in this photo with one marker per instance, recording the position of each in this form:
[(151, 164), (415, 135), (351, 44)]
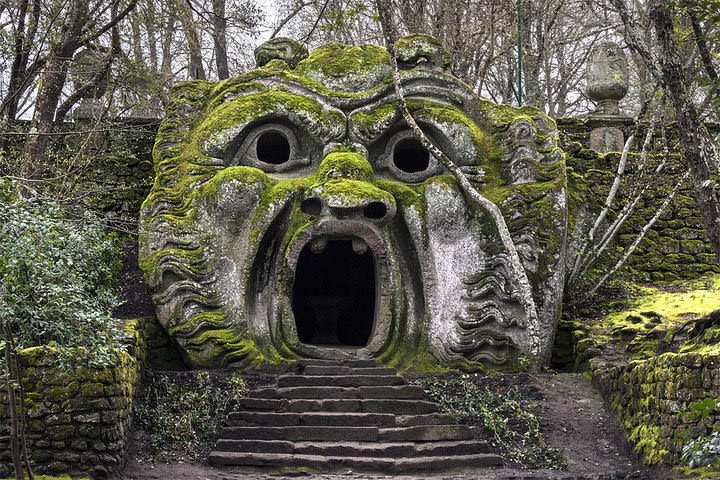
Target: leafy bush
[(502, 414), (57, 281), (183, 412), (703, 451)]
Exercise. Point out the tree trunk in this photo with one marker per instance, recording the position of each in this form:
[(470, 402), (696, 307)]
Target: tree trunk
[(18, 66), (697, 144), (34, 166), (196, 70), (220, 39)]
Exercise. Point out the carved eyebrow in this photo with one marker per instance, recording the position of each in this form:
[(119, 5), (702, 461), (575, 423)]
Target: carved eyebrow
[(224, 125), (368, 124), (369, 121)]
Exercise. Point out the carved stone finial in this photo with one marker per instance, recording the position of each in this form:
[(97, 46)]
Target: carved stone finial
[(419, 48), (607, 77), (84, 69), (281, 48)]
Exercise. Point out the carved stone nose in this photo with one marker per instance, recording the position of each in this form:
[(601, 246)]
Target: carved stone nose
[(323, 202), (347, 189)]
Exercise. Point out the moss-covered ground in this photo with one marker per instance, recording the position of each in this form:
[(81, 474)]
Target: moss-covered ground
[(646, 320)]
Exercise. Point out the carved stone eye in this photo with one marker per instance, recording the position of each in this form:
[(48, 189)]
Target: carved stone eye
[(410, 156), (407, 159), (273, 147)]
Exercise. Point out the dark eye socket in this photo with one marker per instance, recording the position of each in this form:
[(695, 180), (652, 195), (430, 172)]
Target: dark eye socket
[(409, 155), (273, 147)]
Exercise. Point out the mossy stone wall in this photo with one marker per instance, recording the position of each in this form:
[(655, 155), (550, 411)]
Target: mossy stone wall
[(113, 165), (121, 177), (78, 420), (676, 247), (657, 400)]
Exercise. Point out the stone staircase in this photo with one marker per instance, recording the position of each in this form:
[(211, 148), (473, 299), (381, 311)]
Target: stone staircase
[(351, 414)]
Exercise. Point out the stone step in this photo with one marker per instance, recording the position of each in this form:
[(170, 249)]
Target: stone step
[(396, 407), (427, 419), (354, 363), (355, 449), (406, 392), (338, 380), (298, 433), (421, 433), (255, 446), (321, 370), (335, 419), (377, 464), (425, 433)]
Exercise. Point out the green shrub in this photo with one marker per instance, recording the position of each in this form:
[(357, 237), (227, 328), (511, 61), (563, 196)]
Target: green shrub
[(57, 281), (502, 414), (183, 412), (703, 451)]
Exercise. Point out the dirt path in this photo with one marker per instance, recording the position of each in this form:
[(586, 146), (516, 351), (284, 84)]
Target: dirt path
[(575, 420)]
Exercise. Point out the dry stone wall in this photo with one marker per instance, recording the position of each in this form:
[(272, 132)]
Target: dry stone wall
[(77, 420), (676, 246), (660, 401)]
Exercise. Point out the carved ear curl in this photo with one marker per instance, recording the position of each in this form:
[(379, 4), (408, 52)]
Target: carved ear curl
[(419, 49), (280, 48)]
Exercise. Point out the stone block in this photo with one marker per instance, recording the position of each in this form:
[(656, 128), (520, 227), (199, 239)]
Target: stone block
[(607, 139), (61, 432)]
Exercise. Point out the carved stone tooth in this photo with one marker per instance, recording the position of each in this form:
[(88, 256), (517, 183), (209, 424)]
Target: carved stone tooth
[(317, 245), (359, 246)]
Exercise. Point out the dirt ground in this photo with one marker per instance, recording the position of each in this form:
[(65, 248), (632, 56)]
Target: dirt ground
[(575, 419)]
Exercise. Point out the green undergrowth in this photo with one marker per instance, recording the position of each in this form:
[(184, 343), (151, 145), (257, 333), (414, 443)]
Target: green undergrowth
[(705, 473), (504, 413), (703, 452), (180, 413), (649, 321)]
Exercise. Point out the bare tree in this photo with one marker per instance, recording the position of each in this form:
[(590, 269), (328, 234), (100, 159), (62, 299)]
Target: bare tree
[(219, 38), (80, 29)]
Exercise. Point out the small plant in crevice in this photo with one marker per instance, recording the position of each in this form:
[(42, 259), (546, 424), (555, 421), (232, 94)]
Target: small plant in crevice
[(181, 413), (703, 451), (503, 414)]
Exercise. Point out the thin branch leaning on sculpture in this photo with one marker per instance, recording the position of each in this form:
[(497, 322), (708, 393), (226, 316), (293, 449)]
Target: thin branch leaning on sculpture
[(629, 208), (641, 235), (467, 188), (609, 201), (591, 250)]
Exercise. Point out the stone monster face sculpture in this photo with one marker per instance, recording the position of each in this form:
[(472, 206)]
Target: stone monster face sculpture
[(294, 214)]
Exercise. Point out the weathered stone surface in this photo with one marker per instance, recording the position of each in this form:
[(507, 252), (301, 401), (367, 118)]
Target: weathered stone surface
[(421, 49), (261, 175), (71, 417), (607, 139), (280, 48)]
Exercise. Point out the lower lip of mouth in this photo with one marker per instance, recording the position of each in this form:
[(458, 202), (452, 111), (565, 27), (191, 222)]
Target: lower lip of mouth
[(334, 292)]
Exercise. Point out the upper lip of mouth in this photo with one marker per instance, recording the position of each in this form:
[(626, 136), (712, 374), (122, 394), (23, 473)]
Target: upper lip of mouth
[(364, 237)]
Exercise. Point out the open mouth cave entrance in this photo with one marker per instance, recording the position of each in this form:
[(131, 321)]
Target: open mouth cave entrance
[(334, 292)]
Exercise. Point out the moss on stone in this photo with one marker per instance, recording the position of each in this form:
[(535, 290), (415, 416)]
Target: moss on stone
[(221, 124), (345, 164), (368, 119), (410, 48), (337, 60)]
